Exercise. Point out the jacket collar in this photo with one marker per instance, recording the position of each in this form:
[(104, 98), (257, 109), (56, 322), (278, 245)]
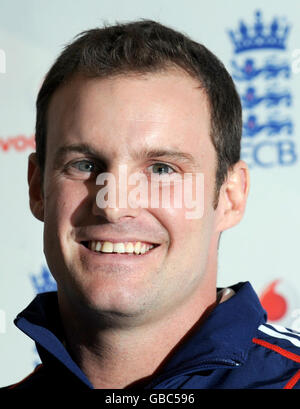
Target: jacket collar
[(224, 338), (41, 322)]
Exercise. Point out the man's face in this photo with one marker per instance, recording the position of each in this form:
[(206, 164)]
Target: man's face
[(97, 125)]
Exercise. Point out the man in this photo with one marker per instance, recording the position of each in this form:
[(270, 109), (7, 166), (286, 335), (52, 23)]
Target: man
[(137, 304)]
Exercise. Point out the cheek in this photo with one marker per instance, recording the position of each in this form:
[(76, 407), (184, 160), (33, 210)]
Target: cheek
[(190, 226), (183, 233), (63, 203)]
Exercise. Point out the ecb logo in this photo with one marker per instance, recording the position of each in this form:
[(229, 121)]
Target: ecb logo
[(261, 70)]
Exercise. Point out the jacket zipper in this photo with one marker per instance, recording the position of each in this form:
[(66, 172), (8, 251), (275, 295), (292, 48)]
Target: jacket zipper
[(202, 365), (229, 362)]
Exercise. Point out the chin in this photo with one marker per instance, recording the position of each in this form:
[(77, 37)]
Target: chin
[(111, 302)]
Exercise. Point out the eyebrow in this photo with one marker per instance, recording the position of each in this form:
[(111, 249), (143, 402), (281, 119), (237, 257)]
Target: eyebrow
[(137, 155), (78, 148), (170, 153)]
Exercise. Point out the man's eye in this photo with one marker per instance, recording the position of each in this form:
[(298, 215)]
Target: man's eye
[(161, 169), (84, 166)]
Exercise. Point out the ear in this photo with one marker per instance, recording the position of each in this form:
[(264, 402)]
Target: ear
[(233, 196), (35, 183)]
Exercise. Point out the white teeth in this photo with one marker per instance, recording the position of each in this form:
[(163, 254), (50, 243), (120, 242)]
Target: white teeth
[(128, 247), (119, 247), (107, 247), (137, 247), (97, 246)]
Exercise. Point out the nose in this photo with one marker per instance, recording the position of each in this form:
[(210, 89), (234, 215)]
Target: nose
[(114, 200)]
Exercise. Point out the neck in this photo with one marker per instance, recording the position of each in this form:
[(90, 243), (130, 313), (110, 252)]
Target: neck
[(119, 356)]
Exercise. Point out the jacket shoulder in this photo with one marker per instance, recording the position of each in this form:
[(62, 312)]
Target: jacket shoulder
[(279, 348), (276, 336)]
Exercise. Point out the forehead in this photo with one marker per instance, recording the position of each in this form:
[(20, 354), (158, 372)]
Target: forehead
[(168, 109)]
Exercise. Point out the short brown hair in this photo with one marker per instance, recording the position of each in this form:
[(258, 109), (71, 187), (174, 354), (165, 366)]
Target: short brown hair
[(147, 46)]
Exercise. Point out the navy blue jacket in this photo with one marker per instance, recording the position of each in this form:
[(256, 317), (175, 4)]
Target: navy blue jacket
[(233, 348)]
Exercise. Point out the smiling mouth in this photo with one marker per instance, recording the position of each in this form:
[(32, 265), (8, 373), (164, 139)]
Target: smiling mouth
[(127, 248)]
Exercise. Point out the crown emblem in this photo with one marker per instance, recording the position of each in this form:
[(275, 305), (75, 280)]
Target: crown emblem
[(260, 36), (43, 281)]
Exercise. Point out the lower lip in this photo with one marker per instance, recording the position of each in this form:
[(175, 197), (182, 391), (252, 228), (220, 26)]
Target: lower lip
[(119, 257)]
